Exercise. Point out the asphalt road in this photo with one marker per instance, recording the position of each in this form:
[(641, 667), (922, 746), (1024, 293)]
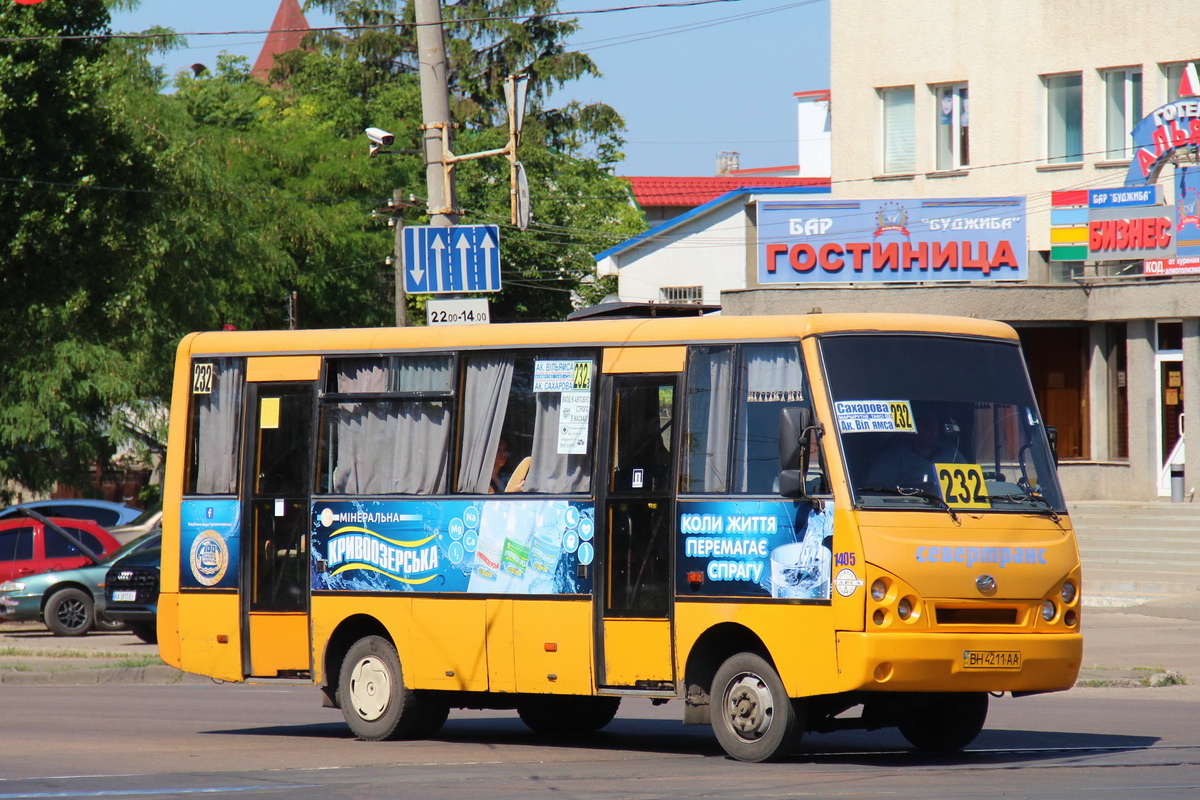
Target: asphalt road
[(164, 741)]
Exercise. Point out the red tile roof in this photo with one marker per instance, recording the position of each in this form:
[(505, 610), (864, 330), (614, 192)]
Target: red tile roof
[(286, 31), (658, 191)]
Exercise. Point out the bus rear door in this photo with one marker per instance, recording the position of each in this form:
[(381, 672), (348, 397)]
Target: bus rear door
[(278, 519)]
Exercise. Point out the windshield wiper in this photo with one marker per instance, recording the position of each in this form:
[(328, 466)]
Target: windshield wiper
[(908, 491), (1033, 499)]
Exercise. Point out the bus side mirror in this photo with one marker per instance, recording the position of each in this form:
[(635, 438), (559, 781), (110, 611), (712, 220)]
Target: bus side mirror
[(794, 425), (1052, 435)]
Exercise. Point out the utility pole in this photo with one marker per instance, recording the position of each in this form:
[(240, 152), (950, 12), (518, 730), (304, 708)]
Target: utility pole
[(398, 259), (435, 112)]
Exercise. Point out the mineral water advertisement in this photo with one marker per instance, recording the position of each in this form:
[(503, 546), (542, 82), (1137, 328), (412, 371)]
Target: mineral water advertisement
[(209, 544), (518, 547), (755, 549)]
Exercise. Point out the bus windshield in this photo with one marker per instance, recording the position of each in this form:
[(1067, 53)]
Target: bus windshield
[(939, 422)]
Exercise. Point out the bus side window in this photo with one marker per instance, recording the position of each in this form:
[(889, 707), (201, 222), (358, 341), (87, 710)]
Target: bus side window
[(215, 425), (386, 425), (520, 399)]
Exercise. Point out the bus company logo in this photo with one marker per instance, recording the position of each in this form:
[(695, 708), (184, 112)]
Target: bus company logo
[(891, 218), (846, 582), (411, 562), (209, 558)]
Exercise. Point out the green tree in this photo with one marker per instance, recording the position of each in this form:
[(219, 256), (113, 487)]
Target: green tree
[(76, 189)]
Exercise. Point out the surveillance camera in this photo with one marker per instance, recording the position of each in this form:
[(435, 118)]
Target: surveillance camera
[(379, 136)]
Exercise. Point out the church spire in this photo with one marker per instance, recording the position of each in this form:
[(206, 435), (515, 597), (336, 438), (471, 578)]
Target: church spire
[(286, 31)]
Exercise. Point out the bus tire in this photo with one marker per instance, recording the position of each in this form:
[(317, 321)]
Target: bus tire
[(69, 612), (375, 702), (945, 723), (752, 716), (431, 716), (567, 716)]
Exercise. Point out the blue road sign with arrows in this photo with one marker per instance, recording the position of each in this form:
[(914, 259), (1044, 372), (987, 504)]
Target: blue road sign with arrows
[(461, 258)]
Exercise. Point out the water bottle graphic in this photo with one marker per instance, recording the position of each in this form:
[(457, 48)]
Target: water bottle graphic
[(489, 550), (518, 538), (547, 538)]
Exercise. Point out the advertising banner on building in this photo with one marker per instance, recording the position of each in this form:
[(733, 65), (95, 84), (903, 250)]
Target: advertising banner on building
[(1123, 232), (878, 241)]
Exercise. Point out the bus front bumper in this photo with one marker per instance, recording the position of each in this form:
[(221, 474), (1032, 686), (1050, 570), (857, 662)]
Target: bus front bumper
[(958, 662)]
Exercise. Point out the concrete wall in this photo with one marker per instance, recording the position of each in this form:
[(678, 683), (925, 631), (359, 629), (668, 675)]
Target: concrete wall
[(1057, 303), (1000, 50)]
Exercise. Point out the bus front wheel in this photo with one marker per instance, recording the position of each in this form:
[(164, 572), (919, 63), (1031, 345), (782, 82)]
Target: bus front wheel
[(374, 700), (753, 718), (945, 723)]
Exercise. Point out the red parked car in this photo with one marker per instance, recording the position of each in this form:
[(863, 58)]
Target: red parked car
[(28, 547)]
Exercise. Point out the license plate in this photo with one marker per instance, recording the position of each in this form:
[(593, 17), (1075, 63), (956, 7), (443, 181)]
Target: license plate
[(124, 596), (991, 659)]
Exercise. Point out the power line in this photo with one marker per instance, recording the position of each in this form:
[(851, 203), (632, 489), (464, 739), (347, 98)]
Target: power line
[(380, 26)]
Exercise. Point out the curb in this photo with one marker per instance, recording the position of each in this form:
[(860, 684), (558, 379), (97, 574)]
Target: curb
[(160, 675)]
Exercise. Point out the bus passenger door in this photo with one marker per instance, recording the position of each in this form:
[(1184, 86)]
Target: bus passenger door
[(634, 645), (275, 583)]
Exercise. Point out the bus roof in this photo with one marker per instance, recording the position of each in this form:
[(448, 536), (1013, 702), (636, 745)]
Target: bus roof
[(615, 332)]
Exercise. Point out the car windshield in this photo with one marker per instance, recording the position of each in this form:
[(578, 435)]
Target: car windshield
[(143, 542), (930, 421), (145, 516)]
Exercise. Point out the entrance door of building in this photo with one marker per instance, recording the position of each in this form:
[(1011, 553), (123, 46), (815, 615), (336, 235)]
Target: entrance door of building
[(1170, 418)]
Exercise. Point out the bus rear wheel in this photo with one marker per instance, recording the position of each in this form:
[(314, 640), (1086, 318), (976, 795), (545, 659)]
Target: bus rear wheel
[(752, 716), (944, 723), (375, 702), (551, 715)]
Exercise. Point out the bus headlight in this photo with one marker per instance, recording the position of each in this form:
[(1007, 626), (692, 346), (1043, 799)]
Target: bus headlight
[(904, 608), (1068, 593), (1049, 610), (879, 590)]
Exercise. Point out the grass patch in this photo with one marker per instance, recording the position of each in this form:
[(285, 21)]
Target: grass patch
[(141, 661), (25, 652)]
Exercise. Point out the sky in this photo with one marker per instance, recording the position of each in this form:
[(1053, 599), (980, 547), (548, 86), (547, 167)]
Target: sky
[(690, 81)]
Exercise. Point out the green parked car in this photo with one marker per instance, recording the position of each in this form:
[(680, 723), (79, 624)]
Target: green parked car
[(66, 599)]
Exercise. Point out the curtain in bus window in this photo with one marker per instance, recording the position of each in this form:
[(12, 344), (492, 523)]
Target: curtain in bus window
[(485, 398), (388, 446), (772, 380), (422, 374), (550, 471), (217, 434), (709, 419)]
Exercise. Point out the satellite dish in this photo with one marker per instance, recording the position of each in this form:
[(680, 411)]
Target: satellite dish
[(521, 209)]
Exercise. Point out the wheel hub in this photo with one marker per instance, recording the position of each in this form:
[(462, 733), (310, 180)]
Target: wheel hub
[(749, 706), (370, 688)]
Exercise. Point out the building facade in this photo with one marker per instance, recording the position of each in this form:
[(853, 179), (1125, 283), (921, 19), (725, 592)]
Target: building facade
[(1024, 103)]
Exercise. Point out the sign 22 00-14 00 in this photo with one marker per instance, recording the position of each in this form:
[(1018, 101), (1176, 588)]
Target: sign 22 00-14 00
[(453, 317)]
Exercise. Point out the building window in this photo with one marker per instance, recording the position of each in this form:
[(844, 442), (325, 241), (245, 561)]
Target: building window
[(1122, 110), (1173, 77), (952, 127), (899, 130), (681, 294), (1064, 118)]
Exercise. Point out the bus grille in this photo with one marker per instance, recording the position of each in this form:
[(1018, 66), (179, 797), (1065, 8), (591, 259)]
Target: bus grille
[(976, 616)]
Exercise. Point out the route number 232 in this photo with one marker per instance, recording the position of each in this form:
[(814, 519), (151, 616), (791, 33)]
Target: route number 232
[(963, 485)]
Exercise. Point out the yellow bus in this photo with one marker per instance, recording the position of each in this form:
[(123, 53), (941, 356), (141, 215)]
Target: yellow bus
[(789, 524)]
